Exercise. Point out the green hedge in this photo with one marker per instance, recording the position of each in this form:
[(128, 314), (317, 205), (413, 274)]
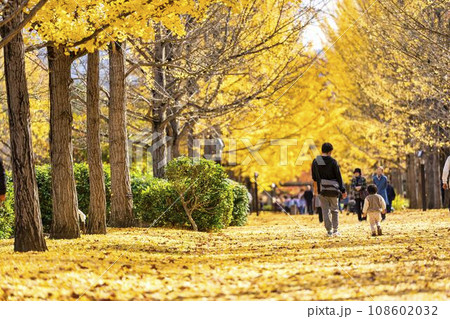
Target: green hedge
[(44, 182), (7, 211), (241, 204), (204, 191), (158, 205), (81, 172), (156, 201)]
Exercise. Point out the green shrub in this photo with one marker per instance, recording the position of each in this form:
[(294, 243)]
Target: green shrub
[(204, 192), (219, 202), (7, 211), (44, 182), (81, 172), (158, 205), (139, 182), (241, 204)]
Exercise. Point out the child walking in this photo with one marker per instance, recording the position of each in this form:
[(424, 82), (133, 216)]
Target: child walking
[(374, 206)]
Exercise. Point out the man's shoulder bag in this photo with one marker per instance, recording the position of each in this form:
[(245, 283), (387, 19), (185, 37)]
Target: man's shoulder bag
[(329, 188)]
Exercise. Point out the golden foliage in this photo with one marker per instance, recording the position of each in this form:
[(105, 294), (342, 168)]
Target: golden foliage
[(91, 24), (271, 258)]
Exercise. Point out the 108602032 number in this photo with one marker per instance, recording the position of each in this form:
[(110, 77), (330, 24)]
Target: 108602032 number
[(403, 310)]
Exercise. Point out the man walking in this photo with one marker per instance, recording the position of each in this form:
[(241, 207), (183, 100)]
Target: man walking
[(327, 175), (2, 182)]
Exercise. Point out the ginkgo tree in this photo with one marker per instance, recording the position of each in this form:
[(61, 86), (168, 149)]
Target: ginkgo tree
[(28, 224)]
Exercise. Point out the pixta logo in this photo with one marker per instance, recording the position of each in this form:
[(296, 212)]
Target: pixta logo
[(143, 148)]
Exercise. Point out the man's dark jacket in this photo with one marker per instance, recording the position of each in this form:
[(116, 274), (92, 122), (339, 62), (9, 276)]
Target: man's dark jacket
[(2, 179), (308, 195), (326, 167)]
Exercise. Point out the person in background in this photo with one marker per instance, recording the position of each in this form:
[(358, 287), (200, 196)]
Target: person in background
[(344, 204), (287, 203), (359, 188), (341, 203), (374, 206), (327, 174), (294, 205), (302, 204), (2, 182), (381, 181), (278, 204), (261, 204), (445, 176), (309, 195), (391, 196)]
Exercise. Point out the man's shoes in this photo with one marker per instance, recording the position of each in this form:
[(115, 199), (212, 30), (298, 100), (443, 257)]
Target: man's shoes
[(374, 234), (336, 234), (329, 234), (379, 231)]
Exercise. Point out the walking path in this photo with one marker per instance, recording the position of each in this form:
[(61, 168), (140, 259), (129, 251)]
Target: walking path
[(271, 258)]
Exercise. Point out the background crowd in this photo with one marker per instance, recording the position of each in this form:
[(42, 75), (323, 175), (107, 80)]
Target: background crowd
[(306, 201)]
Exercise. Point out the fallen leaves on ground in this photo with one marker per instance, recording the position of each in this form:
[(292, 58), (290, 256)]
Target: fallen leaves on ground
[(274, 257)]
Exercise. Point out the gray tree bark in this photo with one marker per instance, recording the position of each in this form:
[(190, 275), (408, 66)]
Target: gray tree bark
[(65, 204), (174, 141), (412, 178), (121, 196), (96, 223), (28, 224), (190, 141), (159, 150), (396, 180), (432, 180)]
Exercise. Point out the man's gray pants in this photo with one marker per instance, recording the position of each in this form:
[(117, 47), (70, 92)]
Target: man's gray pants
[(329, 207)]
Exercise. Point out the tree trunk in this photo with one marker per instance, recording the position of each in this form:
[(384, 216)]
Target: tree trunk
[(159, 149), (97, 195), (190, 141), (65, 204), (28, 224), (121, 196), (174, 141), (412, 181), (433, 180), (420, 182), (396, 180), (188, 212)]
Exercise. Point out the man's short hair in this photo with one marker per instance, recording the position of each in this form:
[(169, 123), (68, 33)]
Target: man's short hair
[(372, 189), (327, 147)]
